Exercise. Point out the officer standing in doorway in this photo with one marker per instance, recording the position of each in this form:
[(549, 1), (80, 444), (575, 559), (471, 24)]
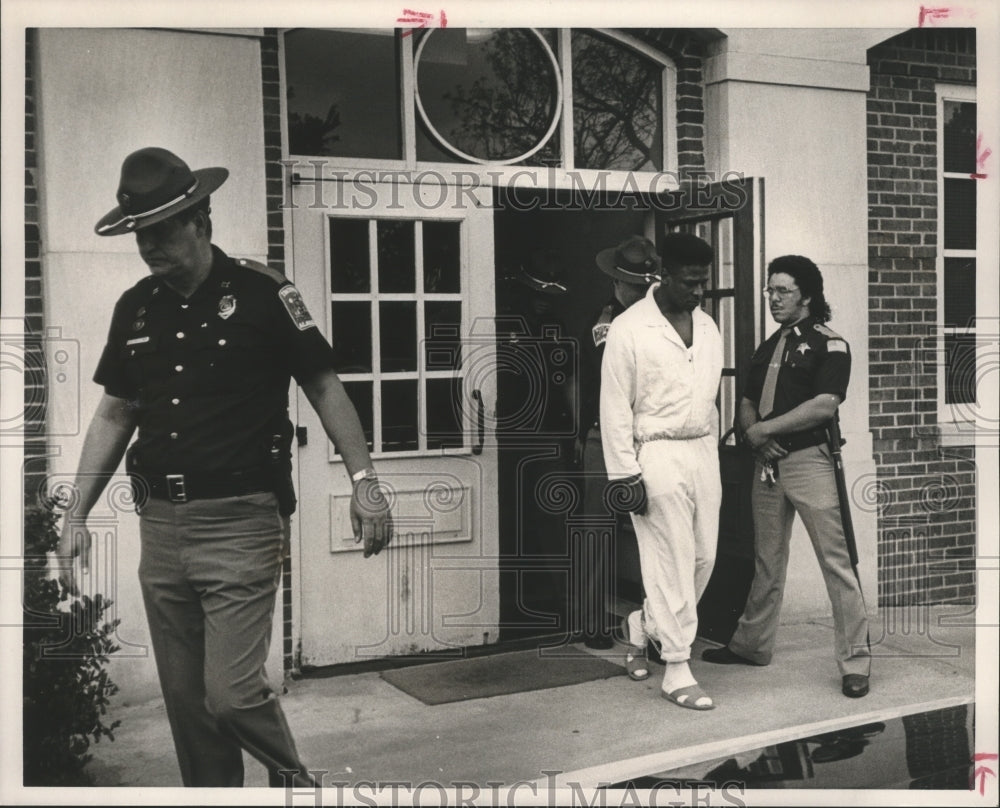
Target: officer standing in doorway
[(632, 266), (798, 378), (535, 432)]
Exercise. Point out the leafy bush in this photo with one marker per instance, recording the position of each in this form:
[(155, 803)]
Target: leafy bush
[(65, 686)]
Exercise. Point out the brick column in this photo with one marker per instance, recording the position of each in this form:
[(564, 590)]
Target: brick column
[(925, 491), (35, 464)]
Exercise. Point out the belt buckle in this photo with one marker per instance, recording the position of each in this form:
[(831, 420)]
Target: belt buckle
[(175, 488)]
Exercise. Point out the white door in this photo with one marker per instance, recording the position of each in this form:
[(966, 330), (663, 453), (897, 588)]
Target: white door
[(404, 275)]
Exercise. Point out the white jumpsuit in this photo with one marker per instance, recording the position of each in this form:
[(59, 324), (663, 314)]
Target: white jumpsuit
[(659, 419)]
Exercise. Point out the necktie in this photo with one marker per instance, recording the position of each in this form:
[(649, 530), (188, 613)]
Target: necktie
[(771, 379)]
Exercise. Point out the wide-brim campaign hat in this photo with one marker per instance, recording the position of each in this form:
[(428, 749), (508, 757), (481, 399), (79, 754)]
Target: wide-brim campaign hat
[(633, 261), (543, 272), (155, 185)]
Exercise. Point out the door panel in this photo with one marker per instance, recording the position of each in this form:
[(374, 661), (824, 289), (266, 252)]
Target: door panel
[(405, 281)]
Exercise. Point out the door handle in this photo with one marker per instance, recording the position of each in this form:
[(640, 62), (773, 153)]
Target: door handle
[(480, 422)]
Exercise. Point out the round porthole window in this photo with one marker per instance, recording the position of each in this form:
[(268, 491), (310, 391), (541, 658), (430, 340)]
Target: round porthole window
[(488, 95)]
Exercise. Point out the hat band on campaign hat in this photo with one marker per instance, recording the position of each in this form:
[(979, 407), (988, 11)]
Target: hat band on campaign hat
[(633, 261), (640, 277), (130, 220), (544, 284)]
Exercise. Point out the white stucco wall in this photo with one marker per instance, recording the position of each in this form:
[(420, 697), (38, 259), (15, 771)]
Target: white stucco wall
[(788, 105), (103, 93)]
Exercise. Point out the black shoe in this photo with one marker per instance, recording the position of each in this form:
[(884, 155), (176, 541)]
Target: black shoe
[(855, 685), (599, 642), (723, 656)]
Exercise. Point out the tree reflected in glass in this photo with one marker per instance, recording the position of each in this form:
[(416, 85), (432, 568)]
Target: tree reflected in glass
[(490, 94), (493, 98), (617, 106), (309, 134)]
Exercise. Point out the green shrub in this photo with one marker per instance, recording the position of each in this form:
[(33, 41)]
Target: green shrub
[(65, 686)]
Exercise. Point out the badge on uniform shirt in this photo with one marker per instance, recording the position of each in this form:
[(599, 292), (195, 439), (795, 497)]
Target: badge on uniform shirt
[(296, 307), (600, 333), (803, 348), (138, 325), (227, 306)]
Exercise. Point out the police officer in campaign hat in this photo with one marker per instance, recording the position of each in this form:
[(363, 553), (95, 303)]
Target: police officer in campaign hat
[(198, 360), (798, 378), (632, 265), (535, 432)]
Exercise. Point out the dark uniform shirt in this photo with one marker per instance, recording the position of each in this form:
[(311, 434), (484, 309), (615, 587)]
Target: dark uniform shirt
[(208, 376), (816, 360), (591, 354)]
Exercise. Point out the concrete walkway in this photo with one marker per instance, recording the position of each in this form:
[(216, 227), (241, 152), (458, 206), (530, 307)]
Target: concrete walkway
[(359, 728)]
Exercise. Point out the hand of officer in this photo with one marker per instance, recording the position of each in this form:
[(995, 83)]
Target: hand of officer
[(772, 450), (371, 519), (626, 495), (75, 540)]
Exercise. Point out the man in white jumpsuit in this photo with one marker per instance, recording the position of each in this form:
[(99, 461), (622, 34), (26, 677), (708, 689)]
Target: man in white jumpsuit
[(659, 379)]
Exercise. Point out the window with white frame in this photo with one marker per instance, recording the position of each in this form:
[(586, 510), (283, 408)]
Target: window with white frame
[(587, 99), (395, 318), (956, 262)]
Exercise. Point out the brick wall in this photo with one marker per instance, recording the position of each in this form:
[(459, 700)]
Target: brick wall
[(271, 83), (925, 492), (35, 465), (272, 149)]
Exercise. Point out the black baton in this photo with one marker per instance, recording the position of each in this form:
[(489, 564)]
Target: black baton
[(835, 441)]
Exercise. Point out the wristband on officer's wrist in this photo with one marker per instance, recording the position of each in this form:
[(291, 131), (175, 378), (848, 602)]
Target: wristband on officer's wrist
[(364, 474)]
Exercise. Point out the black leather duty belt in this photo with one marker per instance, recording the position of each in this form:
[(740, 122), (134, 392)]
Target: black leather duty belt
[(801, 440), (185, 487)]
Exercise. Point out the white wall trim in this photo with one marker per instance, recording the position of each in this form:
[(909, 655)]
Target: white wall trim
[(761, 68)]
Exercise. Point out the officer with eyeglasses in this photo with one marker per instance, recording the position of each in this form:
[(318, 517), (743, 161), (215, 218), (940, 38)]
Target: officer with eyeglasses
[(797, 380)]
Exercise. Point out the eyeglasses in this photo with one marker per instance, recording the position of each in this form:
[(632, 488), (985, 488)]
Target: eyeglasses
[(780, 291)]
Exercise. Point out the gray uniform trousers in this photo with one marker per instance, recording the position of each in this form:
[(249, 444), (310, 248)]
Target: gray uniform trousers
[(805, 485), (209, 572)]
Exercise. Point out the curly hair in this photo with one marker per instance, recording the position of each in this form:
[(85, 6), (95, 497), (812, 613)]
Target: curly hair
[(809, 279)]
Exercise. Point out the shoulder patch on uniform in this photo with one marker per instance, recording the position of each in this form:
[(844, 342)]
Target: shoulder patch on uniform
[(836, 346), (826, 332), (600, 333), (296, 307), (273, 274)]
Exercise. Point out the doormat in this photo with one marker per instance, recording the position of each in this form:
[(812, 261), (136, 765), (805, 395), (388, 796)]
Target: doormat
[(500, 674)]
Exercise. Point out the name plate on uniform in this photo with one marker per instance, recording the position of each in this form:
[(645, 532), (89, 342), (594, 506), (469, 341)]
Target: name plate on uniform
[(438, 512)]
